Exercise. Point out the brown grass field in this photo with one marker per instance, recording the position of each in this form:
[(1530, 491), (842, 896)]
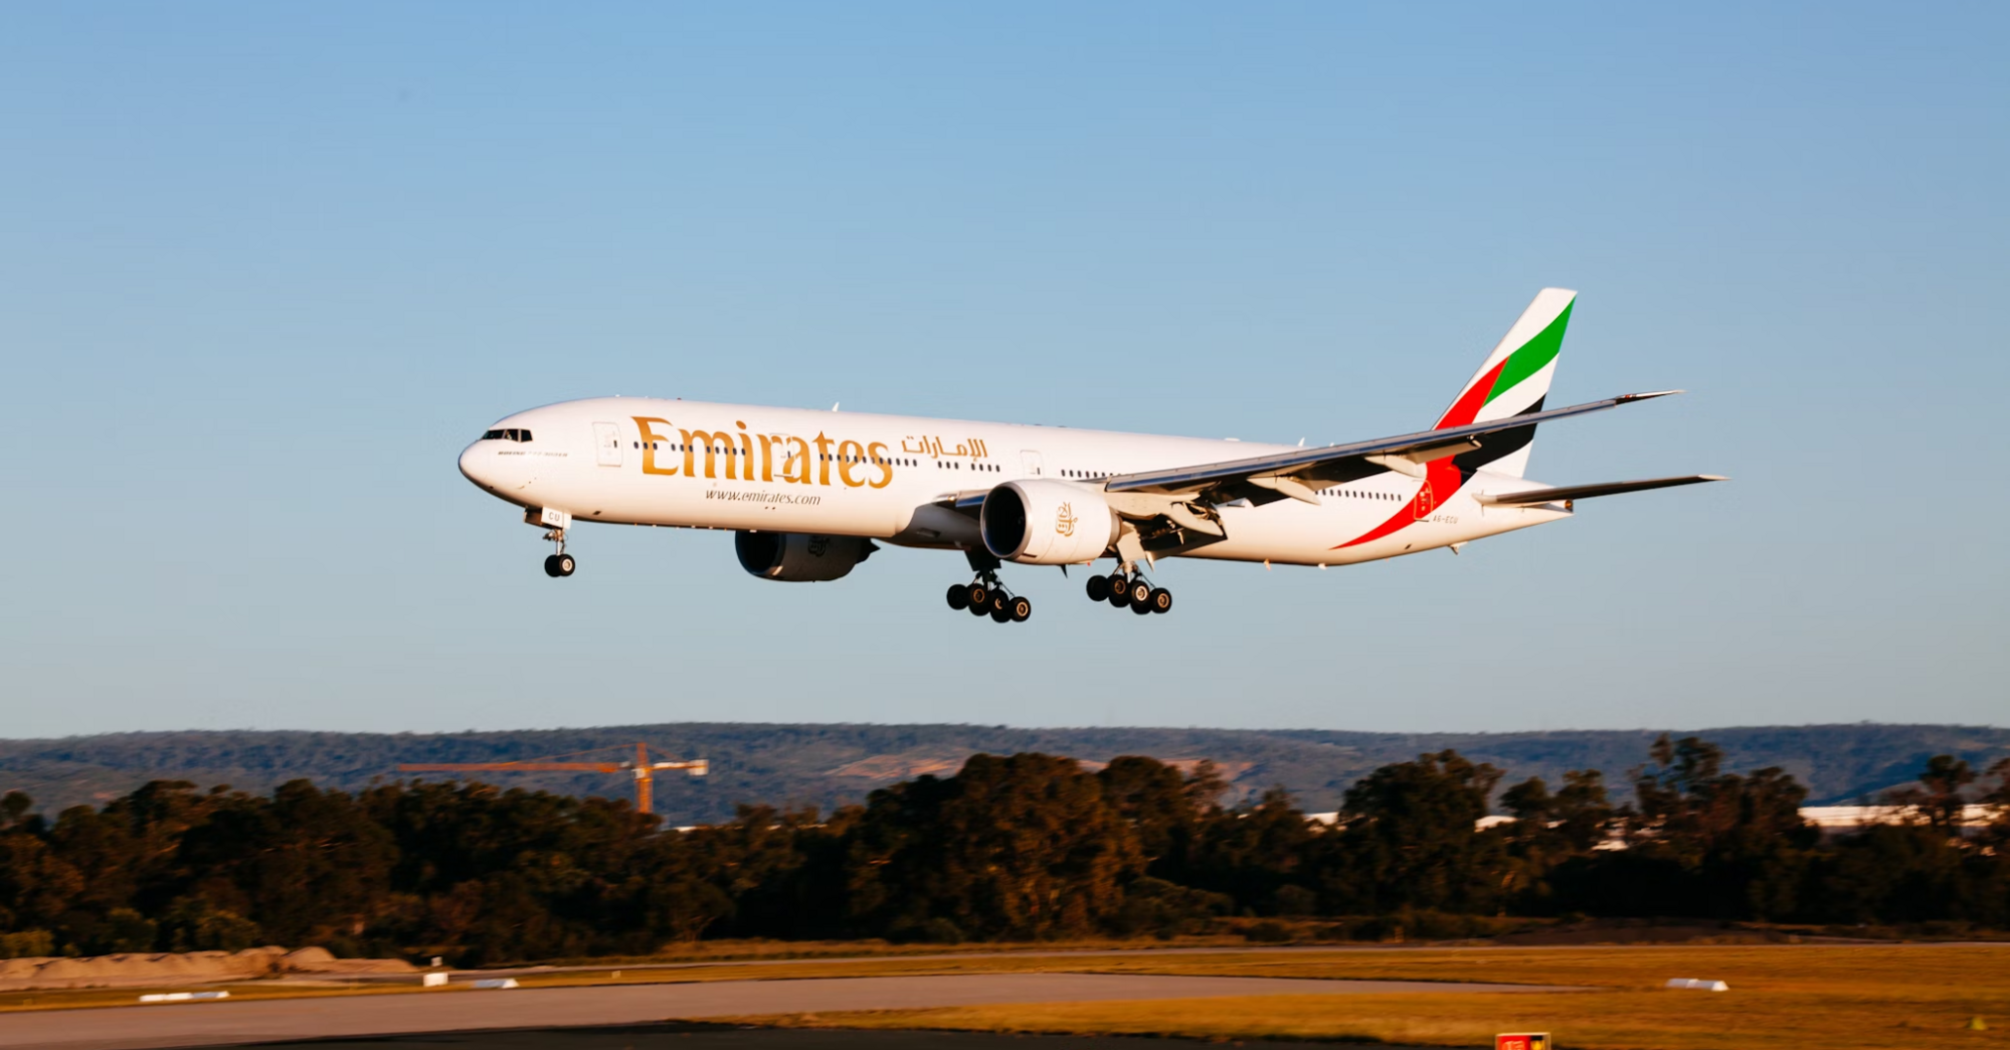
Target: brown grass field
[(1844, 996), (1882, 996)]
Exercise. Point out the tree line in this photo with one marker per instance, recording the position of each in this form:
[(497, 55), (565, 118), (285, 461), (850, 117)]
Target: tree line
[(1028, 846)]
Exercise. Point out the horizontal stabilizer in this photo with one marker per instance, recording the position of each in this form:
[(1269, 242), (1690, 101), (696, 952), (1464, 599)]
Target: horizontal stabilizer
[(1610, 488)]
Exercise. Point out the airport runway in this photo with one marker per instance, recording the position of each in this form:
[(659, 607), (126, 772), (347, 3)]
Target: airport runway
[(270, 1021)]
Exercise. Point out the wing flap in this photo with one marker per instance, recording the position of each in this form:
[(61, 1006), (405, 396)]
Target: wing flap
[(1564, 493)]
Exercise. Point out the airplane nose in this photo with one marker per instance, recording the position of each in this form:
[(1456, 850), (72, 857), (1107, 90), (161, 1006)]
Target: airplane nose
[(476, 465)]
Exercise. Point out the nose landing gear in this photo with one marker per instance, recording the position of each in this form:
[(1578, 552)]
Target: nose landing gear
[(559, 564), (554, 521), (1133, 590)]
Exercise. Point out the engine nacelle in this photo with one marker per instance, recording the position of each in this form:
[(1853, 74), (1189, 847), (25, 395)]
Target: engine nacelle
[(1040, 522), (797, 557)]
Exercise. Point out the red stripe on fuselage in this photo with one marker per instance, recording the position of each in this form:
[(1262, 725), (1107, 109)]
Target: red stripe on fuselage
[(1441, 482), (1443, 479)]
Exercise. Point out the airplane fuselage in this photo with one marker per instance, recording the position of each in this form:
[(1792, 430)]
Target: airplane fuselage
[(644, 461)]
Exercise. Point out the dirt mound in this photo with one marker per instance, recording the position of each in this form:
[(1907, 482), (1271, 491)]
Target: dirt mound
[(171, 968), (307, 959), (320, 960)]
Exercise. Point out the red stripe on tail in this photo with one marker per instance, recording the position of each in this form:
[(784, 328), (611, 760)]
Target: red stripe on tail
[(1475, 398)]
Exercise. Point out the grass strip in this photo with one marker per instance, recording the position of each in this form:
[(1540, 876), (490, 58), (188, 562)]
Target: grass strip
[(1781, 997)]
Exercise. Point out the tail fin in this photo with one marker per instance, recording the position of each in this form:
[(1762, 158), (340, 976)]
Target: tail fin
[(1513, 381)]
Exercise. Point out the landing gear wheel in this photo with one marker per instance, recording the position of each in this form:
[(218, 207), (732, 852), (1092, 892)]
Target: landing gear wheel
[(959, 597), (1160, 600), (999, 613), (1019, 609), (559, 563), (1099, 588), (1120, 590), (1141, 595), (979, 597)]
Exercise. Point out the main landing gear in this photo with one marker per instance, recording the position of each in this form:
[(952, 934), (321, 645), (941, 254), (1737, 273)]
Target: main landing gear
[(560, 563), (985, 596), (1133, 590)]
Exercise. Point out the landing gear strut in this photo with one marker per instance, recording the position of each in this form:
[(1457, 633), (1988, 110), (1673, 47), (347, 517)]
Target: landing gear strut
[(986, 596), (554, 522), (1132, 590)]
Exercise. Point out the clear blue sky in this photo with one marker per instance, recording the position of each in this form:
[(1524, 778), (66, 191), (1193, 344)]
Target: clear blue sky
[(265, 269)]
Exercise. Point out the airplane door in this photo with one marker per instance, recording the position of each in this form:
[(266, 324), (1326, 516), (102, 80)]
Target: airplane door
[(1034, 467), (607, 444)]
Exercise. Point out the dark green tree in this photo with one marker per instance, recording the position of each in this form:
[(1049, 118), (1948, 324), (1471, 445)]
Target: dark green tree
[(1253, 852), (1705, 842), (1024, 847), (1409, 838)]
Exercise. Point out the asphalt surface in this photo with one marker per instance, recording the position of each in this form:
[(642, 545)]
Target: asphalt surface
[(466, 1011)]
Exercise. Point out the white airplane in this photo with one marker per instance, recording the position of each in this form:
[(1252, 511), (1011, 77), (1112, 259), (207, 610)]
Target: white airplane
[(807, 492)]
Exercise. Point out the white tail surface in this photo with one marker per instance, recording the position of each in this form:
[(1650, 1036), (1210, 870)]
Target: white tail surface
[(1515, 378)]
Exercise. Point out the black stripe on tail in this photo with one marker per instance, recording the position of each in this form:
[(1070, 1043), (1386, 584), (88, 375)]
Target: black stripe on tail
[(1498, 444)]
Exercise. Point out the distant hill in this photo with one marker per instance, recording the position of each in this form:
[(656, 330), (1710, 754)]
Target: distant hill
[(829, 765)]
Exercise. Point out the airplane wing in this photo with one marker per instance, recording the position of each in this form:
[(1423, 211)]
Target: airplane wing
[(1611, 488), (1297, 474)]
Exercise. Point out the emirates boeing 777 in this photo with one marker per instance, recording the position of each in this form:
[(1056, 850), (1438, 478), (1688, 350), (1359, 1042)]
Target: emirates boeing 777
[(806, 493)]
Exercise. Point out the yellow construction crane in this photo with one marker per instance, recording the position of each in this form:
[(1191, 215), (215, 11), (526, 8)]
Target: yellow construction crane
[(644, 770)]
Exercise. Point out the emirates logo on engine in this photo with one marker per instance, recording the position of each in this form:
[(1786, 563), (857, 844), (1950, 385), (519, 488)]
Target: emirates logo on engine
[(1064, 520)]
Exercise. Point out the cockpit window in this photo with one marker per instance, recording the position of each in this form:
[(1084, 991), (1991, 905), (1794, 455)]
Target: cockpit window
[(512, 434)]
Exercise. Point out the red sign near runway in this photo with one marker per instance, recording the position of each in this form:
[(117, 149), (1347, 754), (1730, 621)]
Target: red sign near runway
[(1524, 1041)]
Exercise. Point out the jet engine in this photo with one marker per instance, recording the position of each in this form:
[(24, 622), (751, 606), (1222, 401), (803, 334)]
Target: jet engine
[(1038, 522), (798, 557)]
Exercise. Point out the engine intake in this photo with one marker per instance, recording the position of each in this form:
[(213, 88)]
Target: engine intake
[(1038, 522), (797, 557)]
